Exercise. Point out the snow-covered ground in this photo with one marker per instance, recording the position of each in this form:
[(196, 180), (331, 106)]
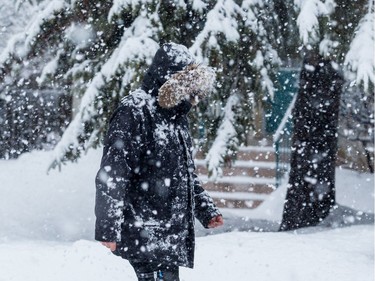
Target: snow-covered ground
[(47, 222)]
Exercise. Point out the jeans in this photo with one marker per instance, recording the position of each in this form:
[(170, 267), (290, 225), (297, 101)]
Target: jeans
[(147, 271)]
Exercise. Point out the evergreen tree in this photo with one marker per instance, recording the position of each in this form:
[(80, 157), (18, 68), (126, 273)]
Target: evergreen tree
[(311, 190), (13, 19), (330, 38), (96, 52), (357, 110)]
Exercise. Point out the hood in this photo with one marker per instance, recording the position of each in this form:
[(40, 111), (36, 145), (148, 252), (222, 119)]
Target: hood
[(176, 80), (169, 59)]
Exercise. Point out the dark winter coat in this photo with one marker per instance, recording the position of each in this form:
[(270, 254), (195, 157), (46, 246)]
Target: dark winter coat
[(147, 191)]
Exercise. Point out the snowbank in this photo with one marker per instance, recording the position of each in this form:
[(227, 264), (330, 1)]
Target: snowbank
[(344, 254), (60, 206), (47, 225)]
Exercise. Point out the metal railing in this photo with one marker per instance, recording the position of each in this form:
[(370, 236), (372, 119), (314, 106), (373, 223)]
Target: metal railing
[(282, 143)]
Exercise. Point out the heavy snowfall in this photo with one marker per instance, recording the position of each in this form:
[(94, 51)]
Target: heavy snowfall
[(66, 64)]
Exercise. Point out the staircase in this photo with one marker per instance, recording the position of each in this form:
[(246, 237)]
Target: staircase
[(245, 183)]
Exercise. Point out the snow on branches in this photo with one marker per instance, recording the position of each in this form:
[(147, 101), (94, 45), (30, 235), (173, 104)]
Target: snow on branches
[(308, 22), (226, 136), (96, 52), (136, 46), (359, 61), (222, 19), (119, 5), (346, 40), (21, 43)]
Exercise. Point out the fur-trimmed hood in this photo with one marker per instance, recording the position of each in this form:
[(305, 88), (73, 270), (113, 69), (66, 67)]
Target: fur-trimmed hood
[(193, 83), (174, 77)]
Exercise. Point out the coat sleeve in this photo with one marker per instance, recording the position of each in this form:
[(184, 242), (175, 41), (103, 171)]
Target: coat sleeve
[(205, 208), (121, 156)]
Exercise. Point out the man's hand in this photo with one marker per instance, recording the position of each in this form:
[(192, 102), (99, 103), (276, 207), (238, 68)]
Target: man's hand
[(110, 245), (216, 221)]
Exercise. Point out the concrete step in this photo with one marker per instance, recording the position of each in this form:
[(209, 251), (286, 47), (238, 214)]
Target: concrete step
[(238, 204), (232, 187), (237, 199), (254, 153), (246, 182), (238, 191), (239, 180), (242, 168)]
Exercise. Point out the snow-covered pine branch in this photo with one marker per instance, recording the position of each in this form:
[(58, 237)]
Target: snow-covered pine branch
[(266, 57), (359, 61), (10, 48), (222, 19), (250, 17), (226, 137), (199, 6), (20, 43), (138, 45), (19, 3), (13, 20), (251, 66), (96, 52), (50, 68), (119, 5), (266, 81), (308, 18)]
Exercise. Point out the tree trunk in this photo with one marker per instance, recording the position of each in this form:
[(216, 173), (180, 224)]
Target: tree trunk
[(311, 189)]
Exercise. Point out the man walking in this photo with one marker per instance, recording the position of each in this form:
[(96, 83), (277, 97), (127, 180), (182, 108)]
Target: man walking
[(147, 191)]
